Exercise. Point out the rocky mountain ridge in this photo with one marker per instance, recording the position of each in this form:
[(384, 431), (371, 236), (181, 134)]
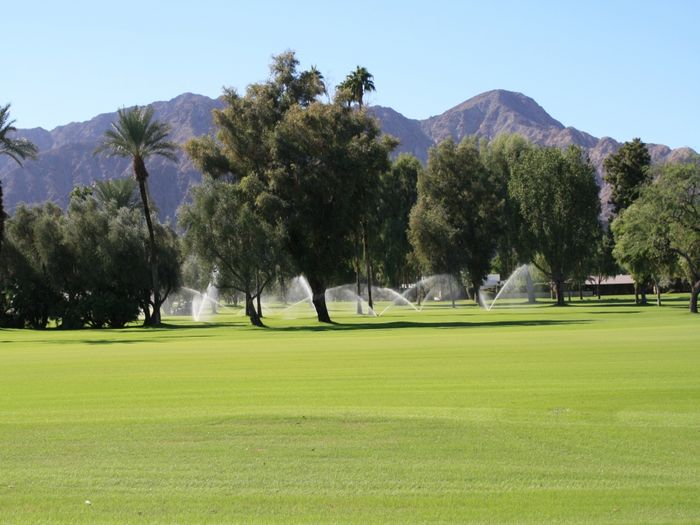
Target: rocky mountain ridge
[(66, 156)]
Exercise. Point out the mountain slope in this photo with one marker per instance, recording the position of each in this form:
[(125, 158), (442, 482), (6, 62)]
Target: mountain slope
[(66, 153)]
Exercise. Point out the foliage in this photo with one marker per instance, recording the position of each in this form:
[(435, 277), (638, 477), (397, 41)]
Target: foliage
[(398, 193), (326, 158), (86, 267), (117, 193), (557, 195), (136, 135), (242, 155), (604, 263), (33, 264), (455, 222), (500, 156), (355, 85), (627, 171), (661, 230), (16, 149), (224, 228)]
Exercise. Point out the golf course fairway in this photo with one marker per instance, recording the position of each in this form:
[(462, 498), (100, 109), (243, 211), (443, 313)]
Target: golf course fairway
[(588, 413)]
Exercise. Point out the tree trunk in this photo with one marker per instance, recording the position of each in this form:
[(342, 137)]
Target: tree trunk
[(318, 297), (368, 265), (251, 312), (597, 288), (283, 290), (636, 292), (146, 307), (657, 290), (642, 294), (141, 175), (694, 292), (418, 293), (477, 295), (530, 286), (452, 294), (559, 287), (580, 291), (357, 275), (259, 293)]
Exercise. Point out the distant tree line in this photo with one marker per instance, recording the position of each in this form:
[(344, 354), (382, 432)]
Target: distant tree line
[(297, 182)]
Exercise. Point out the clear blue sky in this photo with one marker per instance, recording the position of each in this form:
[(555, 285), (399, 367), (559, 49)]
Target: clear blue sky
[(617, 68)]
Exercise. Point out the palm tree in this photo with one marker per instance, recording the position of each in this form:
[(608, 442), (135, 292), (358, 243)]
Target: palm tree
[(136, 135), (117, 193), (16, 149), (355, 85)]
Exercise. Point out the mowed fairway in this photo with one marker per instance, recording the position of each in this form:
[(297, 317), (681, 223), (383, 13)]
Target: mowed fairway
[(583, 414)]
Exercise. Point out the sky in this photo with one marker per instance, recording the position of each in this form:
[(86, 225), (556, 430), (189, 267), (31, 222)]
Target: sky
[(611, 68)]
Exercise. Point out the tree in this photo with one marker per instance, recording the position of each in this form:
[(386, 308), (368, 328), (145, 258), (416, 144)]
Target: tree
[(34, 264), (455, 223), (353, 89), (662, 228), (500, 156), (627, 172), (604, 263), (16, 149), (223, 227), (557, 195), (242, 152), (117, 193), (138, 136), (325, 157), (355, 85), (399, 192)]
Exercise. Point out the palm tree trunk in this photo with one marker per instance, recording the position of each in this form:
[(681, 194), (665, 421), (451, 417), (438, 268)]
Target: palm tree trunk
[(141, 175)]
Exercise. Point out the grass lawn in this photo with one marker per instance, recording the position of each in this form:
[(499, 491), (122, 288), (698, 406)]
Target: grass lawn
[(583, 414)]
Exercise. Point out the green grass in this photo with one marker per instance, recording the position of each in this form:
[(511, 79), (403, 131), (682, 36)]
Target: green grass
[(583, 414)]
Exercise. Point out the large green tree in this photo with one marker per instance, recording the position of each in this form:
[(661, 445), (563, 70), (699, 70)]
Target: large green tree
[(138, 136), (16, 149), (557, 195), (454, 225), (242, 152), (664, 221), (326, 156)]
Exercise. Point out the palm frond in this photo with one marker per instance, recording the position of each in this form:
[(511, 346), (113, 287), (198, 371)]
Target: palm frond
[(16, 149), (136, 134)]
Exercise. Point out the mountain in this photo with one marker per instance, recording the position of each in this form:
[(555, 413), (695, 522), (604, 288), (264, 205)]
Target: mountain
[(66, 156)]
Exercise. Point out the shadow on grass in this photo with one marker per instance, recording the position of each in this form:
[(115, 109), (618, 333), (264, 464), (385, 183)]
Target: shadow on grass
[(413, 324)]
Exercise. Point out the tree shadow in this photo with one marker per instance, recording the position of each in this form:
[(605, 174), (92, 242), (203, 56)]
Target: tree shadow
[(417, 324)]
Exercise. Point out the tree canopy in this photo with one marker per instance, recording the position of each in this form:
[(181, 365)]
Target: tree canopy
[(557, 195)]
